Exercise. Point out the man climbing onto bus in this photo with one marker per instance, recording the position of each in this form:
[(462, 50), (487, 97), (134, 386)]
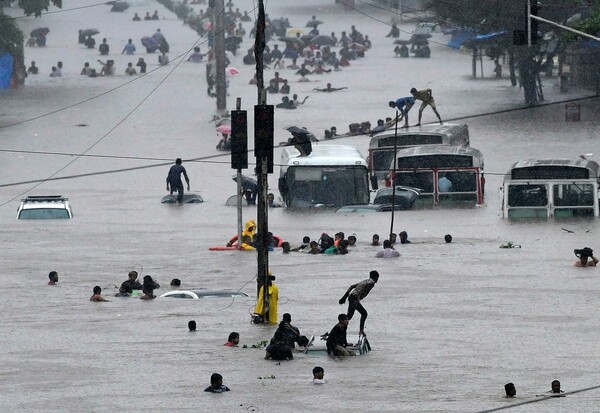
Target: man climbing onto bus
[(403, 105)]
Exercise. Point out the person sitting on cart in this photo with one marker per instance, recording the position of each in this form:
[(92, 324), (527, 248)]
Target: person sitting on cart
[(336, 340)]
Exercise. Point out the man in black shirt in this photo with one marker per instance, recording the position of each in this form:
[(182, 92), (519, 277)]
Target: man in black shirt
[(174, 180), (336, 340)]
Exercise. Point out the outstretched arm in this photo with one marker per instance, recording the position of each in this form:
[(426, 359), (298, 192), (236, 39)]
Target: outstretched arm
[(304, 100), (343, 299)]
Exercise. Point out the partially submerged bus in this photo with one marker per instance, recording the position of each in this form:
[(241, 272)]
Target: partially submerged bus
[(550, 188), (381, 147), (331, 176), (444, 174)]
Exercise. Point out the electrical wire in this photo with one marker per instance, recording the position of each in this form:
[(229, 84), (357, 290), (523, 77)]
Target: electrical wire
[(210, 158)]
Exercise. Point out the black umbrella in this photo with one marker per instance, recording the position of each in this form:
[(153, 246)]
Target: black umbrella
[(89, 32), (40, 31), (297, 130), (322, 40), (295, 40), (118, 5), (247, 182), (401, 41), (313, 22)]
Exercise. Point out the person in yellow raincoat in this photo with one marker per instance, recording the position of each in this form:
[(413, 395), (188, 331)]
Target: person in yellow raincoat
[(247, 234), (271, 311)]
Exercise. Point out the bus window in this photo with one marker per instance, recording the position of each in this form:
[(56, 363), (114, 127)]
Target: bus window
[(573, 195), (527, 195)]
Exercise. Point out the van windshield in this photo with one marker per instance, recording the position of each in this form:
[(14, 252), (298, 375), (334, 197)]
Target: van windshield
[(44, 213)]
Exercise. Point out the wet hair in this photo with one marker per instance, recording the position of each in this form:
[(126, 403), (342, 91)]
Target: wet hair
[(387, 243), (510, 390), (192, 325), (448, 238), (52, 274), (232, 336), (306, 240), (374, 275), (392, 104), (376, 236), (287, 317), (176, 282), (178, 161), (413, 90), (318, 369), (132, 273), (403, 236), (342, 317), (215, 377), (97, 289), (285, 246), (351, 238)]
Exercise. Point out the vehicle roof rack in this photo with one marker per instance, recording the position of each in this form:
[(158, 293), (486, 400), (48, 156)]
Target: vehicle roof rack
[(45, 198)]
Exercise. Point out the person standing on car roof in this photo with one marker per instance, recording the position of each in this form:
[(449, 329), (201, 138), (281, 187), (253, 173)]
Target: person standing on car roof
[(174, 180)]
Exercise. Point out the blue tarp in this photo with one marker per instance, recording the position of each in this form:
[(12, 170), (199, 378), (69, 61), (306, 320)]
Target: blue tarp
[(461, 36), (6, 65)]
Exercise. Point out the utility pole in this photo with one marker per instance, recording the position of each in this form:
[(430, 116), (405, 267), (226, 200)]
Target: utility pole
[(263, 149), (219, 51)]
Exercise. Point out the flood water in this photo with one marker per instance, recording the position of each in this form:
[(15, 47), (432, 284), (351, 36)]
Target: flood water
[(449, 324)]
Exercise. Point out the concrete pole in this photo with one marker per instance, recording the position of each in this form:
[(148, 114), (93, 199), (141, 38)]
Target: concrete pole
[(262, 207)]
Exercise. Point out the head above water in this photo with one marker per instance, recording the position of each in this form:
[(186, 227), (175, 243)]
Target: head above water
[(448, 238), (510, 390), (216, 378), (175, 282), (192, 325)]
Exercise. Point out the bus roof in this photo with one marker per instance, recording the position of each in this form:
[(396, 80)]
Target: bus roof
[(449, 130), (573, 163), (441, 154), (323, 155), (548, 169)]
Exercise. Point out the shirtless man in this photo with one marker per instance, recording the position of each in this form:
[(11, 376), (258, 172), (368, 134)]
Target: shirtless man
[(584, 255), (355, 294), (97, 296), (329, 89)]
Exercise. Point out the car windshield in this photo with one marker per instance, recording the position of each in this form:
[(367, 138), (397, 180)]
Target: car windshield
[(44, 213)]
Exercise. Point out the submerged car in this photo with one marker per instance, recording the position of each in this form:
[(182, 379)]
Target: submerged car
[(45, 207), (198, 293), (405, 198)]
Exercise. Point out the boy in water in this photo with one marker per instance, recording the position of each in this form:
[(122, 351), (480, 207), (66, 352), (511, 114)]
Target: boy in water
[(216, 384)]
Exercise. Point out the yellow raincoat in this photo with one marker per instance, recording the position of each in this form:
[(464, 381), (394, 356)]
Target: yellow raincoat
[(273, 296)]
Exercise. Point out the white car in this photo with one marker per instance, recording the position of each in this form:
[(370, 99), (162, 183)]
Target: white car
[(45, 207), (198, 293)]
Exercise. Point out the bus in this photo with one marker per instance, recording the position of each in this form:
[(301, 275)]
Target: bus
[(381, 147), (445, 174), (550, 188), (331, 176)]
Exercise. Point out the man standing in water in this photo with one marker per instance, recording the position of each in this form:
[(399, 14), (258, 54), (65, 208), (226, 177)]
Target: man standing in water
[(355, 294), (174, 180)]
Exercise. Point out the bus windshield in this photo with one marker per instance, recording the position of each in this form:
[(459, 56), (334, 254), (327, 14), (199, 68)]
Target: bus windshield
[(330, 186)]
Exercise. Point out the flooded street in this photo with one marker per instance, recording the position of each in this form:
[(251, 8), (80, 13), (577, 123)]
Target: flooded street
[(449, 324)]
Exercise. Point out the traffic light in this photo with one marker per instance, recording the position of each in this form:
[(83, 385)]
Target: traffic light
[(520, 36), (263, 135), (239, 139)]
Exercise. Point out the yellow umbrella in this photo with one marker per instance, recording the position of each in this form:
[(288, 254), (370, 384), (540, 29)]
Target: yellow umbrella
[(293, 30)]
